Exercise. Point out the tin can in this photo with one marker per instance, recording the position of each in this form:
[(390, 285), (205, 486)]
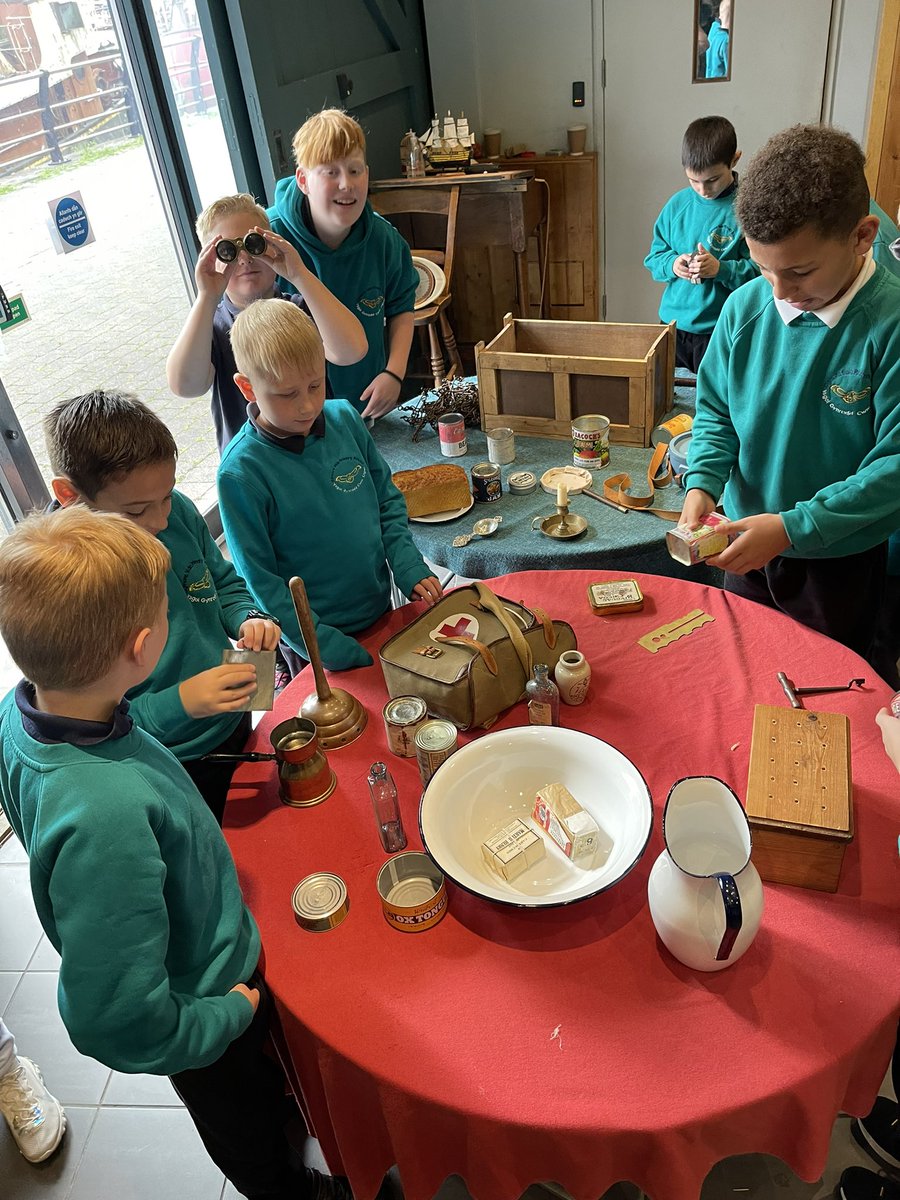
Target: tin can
[(452, 432), (895, 704), (666, 430), (501, 446), (402, 717), (435, 742), (691, 546), (590, 441), (486, 484), (412, 891), (522, 483), (320, 902)]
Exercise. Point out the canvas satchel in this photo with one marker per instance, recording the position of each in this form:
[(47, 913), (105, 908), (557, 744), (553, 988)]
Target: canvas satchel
[(471, 654)]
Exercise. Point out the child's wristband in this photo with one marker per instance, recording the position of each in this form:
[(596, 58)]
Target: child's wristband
[(385, 371)]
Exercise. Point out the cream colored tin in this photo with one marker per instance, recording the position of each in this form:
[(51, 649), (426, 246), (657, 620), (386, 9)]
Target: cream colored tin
[(692, 546), (413, 893), (402, 717), (320, 902), (435, 742)]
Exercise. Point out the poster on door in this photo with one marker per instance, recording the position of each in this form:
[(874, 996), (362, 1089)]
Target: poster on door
[(70, 227)]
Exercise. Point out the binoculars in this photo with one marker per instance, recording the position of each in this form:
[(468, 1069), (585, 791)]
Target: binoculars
[(229, 248)]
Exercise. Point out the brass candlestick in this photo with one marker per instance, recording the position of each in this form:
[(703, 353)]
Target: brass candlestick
[(338, 716)]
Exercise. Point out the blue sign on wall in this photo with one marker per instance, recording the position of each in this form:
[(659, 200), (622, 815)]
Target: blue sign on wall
[(70, 224)]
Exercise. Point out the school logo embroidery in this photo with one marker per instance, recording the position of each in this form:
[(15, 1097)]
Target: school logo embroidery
[(849, 394), (198, 584), (370, 303), (720, 237), (348, 474)]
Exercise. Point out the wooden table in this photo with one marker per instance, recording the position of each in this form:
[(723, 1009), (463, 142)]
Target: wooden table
[(510, 1046), (503, 208)]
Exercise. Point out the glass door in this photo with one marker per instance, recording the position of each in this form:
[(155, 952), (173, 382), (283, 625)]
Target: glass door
[(95, 260)]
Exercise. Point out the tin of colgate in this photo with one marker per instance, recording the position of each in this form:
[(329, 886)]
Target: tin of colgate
[(452, 432)]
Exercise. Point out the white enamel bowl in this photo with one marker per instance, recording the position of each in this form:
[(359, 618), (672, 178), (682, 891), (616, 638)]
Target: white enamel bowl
[(493, 780)]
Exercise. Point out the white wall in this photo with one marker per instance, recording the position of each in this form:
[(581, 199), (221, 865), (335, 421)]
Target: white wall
[(510, 65), (849, 85)]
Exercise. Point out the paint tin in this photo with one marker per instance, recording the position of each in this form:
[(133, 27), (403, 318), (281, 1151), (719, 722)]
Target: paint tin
[(501, 446), (452, 432), (320, 902), (521, 483), (402, 717), (590, 441), (692, 546), (412, 891), (486, 484), (435, 741)]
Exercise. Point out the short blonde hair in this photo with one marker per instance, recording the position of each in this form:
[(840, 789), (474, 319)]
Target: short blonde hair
[(271, 336), (243, 202), (327, 136), (74, 586)]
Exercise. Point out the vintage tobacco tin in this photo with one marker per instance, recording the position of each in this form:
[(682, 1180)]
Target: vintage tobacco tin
[(320, 902), (486, 483), (435, 742), (412, 891), (402, 717), (620, 595)]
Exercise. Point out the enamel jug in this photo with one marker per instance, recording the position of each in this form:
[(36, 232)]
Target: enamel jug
[(706, 898)]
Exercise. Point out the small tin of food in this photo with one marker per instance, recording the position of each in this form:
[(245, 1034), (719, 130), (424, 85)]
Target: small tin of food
[(691, 546), (501, 446), (522, 483), (666, 430), (452, 434), (412, 891), (895, 704), (620, 595), (486, 485), (435, 742), (402, 717), (590, 441), (320, 902)]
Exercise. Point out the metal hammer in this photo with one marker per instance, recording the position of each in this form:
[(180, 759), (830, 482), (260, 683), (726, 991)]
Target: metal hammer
[(794, 693)]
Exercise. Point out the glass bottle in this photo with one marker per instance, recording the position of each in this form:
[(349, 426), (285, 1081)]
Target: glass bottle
[(543, 697), (415, 159), (387, 812)]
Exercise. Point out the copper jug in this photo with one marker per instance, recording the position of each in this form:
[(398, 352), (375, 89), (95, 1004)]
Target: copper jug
[(304, 776)]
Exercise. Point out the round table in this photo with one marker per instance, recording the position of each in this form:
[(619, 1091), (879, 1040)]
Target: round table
[(513, 1046)]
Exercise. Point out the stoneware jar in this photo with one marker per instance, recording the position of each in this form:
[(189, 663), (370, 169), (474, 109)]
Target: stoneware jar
[(572, 675), (706, 898)]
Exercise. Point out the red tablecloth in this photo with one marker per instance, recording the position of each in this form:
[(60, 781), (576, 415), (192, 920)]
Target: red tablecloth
[(514, 1046)]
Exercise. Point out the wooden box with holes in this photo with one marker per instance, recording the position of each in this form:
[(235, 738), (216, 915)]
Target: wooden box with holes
[(536, 376), (800, 796)]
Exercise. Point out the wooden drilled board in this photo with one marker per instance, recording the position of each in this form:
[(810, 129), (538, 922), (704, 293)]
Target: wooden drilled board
[(800, 771)]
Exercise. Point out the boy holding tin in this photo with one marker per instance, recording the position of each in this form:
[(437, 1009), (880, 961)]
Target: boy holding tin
[(798, 397), (239, 262), (133, 882), (304, 491)]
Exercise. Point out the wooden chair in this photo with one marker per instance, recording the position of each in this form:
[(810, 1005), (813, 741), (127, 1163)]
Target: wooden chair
[(425, 217)]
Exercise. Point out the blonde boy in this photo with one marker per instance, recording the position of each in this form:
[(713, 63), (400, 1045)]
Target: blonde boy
[(323, 211), (201, 357), (133, 882), (303, 490)]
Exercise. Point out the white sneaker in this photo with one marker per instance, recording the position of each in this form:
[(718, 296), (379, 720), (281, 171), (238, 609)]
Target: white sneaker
[(36, 1119)]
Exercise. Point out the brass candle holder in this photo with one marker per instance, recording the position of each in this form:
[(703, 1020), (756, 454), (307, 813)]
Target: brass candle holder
[(338, 716), (562, 525)]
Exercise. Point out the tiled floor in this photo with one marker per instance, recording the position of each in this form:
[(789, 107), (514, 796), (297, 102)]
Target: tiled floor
[(130, 1139)]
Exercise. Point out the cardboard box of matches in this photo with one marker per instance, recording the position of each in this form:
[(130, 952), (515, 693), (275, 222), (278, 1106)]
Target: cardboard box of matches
[(558, 812), (512, 850)]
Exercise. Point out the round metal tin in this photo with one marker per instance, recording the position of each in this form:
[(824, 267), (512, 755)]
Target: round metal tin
[(522, 483), (412, 891), (435, 742), (895, 704), (320, 902), (402, 717), (486, 482)]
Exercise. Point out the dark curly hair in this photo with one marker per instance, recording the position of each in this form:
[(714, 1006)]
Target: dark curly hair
[(707, 142), (806, 175)]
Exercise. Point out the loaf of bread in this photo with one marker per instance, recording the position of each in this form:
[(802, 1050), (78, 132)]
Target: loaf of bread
[(438, 488)]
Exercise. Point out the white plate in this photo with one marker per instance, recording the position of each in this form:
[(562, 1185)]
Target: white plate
[(575, 478), (450, 515), (493, 780), (432, 281)]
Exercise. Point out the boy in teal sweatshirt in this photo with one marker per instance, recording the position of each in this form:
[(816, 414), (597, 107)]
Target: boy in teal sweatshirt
[(304, 491), (110, 451), (322, 210), (698, 251), (798, 398), (132, 880)]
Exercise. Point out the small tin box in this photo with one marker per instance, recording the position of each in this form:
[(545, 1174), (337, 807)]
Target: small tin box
[(691, 546), (621, 595), (522, 483), (402, 717), (263, 699)]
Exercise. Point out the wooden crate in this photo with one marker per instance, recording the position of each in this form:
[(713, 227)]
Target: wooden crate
[(799, 796), (535, 376)]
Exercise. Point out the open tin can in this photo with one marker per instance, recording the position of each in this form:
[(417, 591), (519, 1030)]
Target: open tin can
[(413, 893)]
